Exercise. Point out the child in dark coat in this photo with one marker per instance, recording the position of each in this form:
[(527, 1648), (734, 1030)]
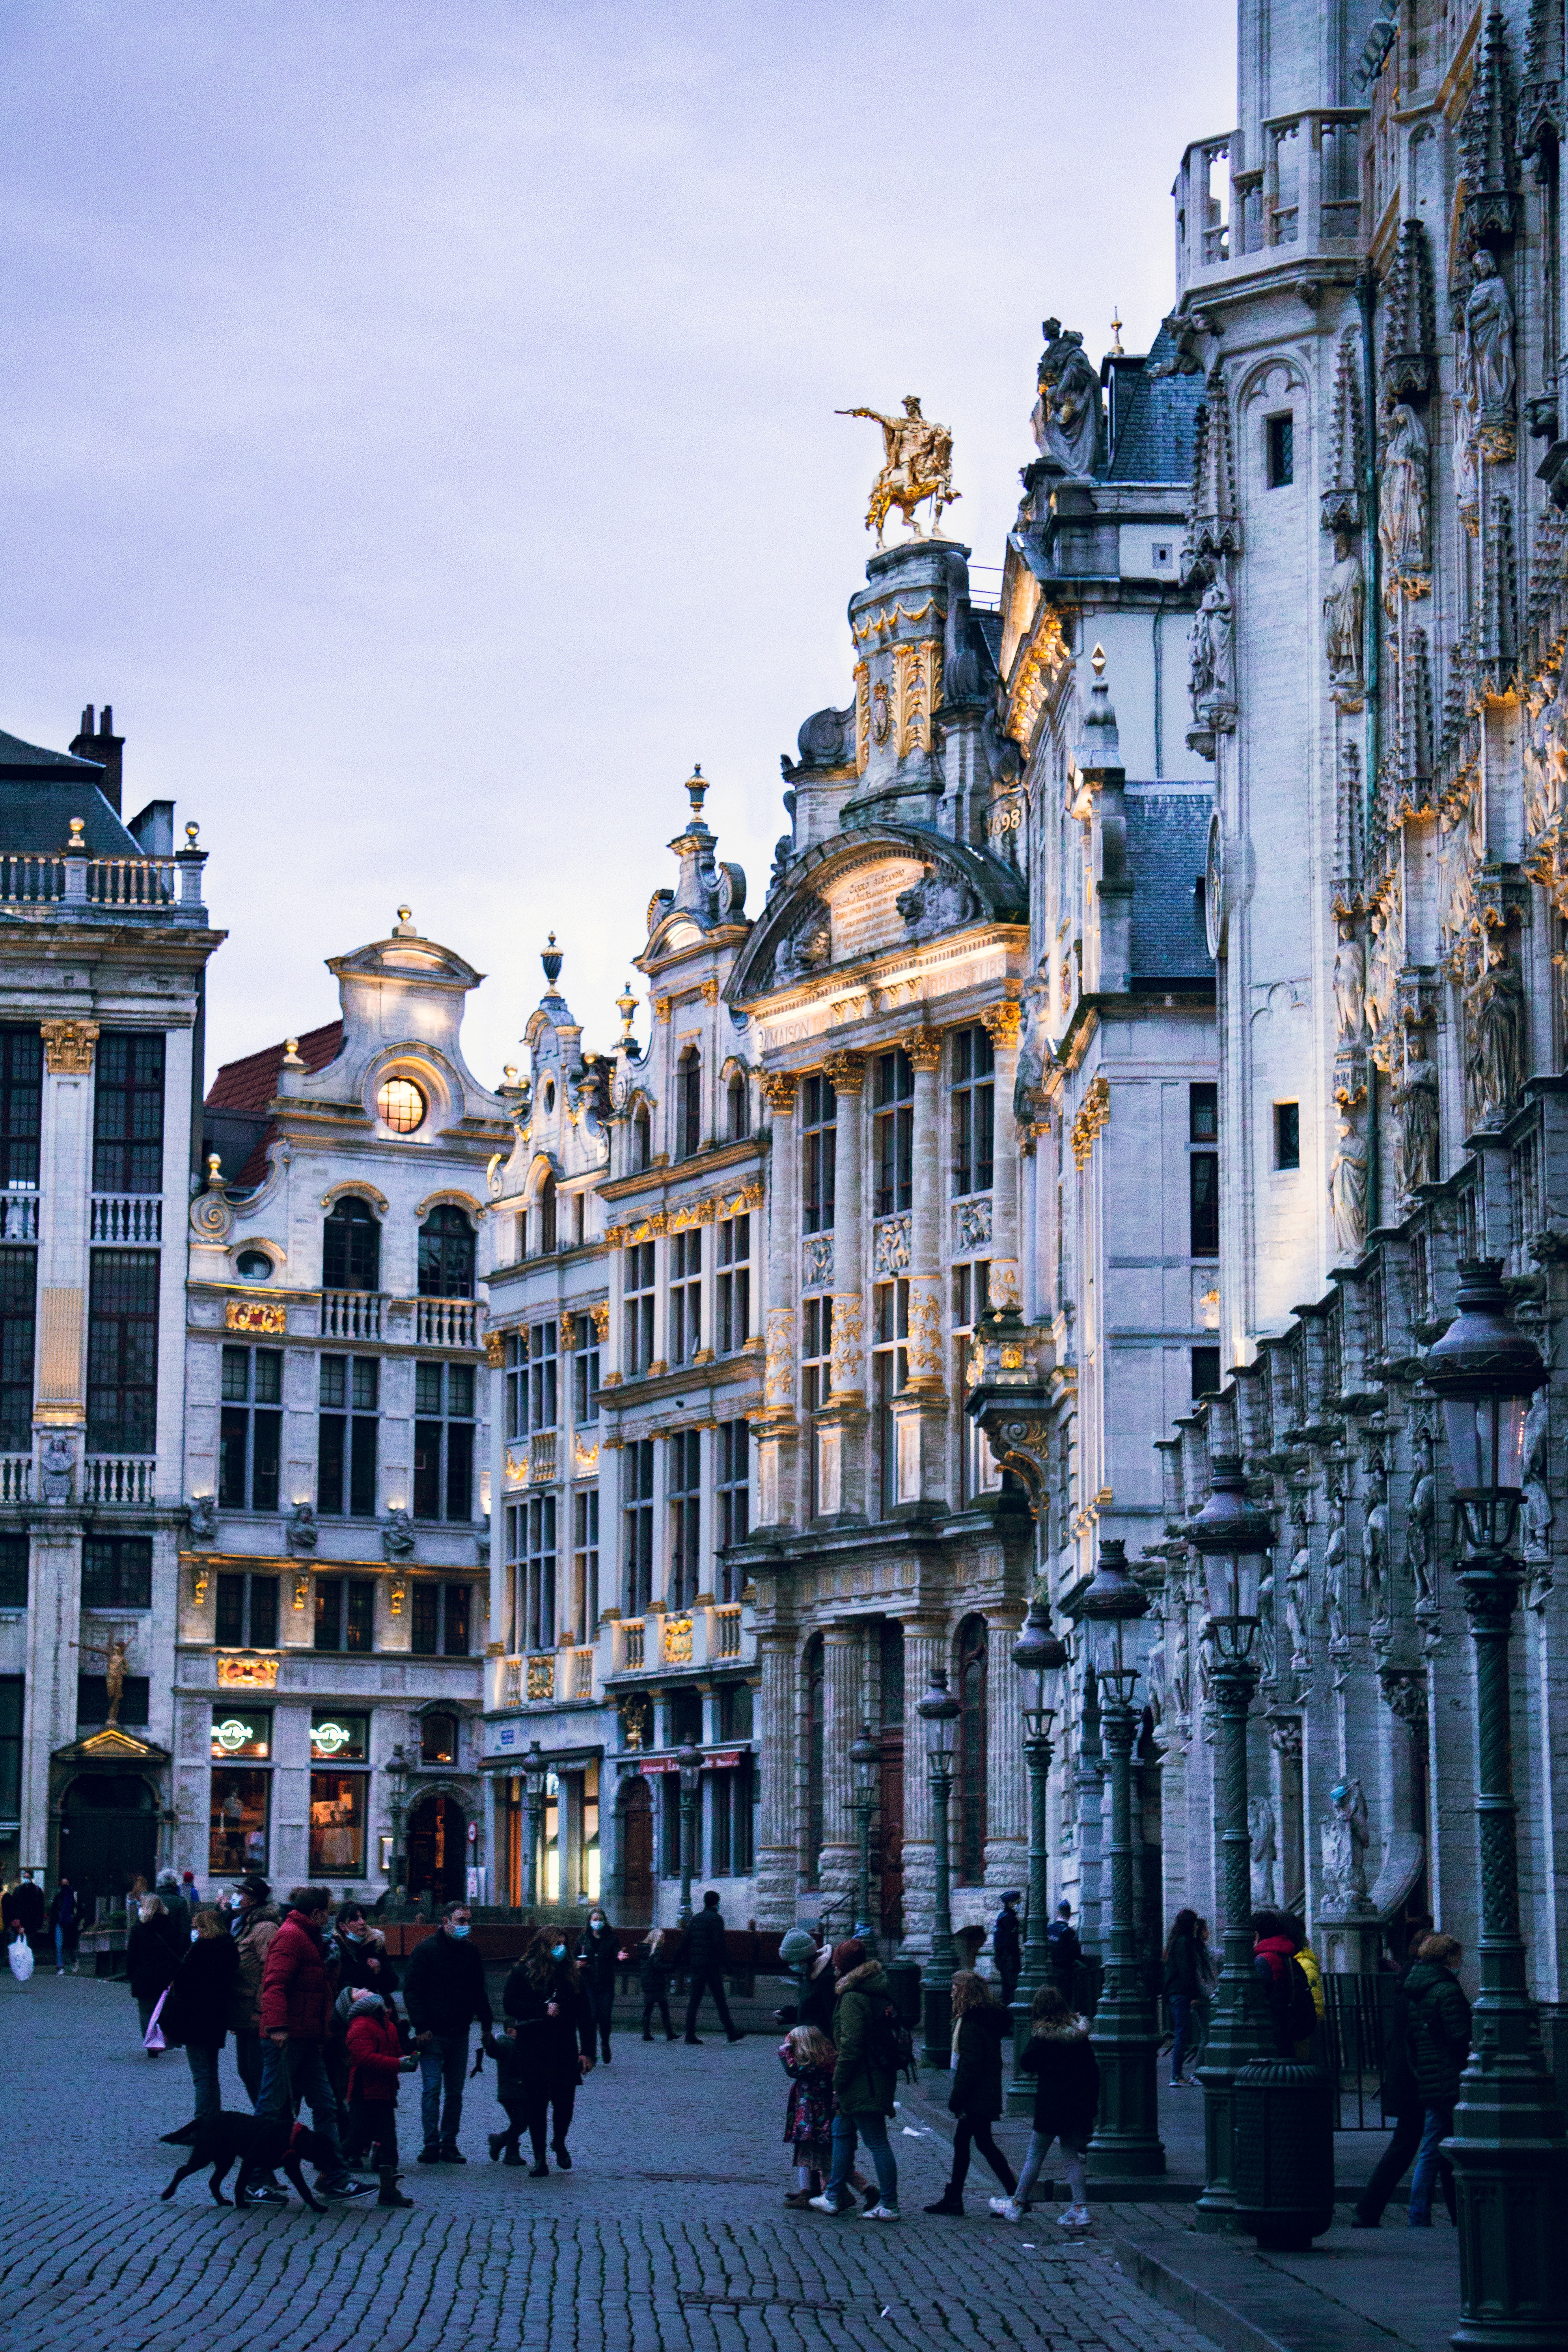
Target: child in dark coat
[(375, 2060), (808, 2059), (1067, 2099), (980, 2026)]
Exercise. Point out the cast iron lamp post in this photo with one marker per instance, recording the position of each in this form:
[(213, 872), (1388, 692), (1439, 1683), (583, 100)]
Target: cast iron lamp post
[(1043, 1653), (397, 1780), (1126, 2032), (534, 1774), (689, 1760), (1508, 2147), (864, 1755), (1232, 1539), (939, 1709)]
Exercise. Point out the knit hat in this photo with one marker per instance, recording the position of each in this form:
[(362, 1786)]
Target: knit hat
[(848, 1955)]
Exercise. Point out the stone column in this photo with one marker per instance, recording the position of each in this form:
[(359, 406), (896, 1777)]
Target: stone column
[(925, 1646), (843, 1705), (777, 1429), (1004, 1024), (1006, 1782), (919, 1415), (842, 1427), (778, 1863)]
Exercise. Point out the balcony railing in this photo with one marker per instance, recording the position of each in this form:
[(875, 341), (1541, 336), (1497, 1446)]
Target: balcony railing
[(542, 1457), (511, 1682), (447, 1323), (1303, 190), (33, 881), (581, 1673), (633, 1631), (122, 1478), (15, 1477), (727, 1632), (19, 1214), (127, 1217), (351, 1314)]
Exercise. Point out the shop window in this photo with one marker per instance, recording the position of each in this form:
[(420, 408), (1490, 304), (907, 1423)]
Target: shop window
[(438, 1739), (337, 1824), (338, 1739), (239, 1803), (242, 1735)]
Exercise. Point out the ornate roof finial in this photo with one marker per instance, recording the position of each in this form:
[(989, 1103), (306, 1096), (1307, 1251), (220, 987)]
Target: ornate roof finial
[(697, 790), (627, 1006), (550, 957), (1116, 332), (403, 927)]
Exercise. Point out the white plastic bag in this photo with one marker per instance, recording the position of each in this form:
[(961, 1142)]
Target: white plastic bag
[(20, 1955)]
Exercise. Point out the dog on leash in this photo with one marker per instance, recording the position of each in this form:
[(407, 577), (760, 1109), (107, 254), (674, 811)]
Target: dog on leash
[(257, 2143)]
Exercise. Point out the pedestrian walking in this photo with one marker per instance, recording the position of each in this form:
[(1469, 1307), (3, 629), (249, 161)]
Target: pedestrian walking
[(24, 1907), (253, 1920), (197, 2013), (444, 1993), (653, 1971), (808, 2058), (980, 2026), (1439, 2044), (1007, 1945), (65, 1925), (151, 1956), (553, 2042), (1066, 1953), (375, 2061), (295, 2009), (168, 1893), (704, 1955), (1286, 1995), (1185, 1990), (188, 1894), (1401, 2097), (1067, 2099), (865, 2029), (363, 1963), (599, 1954)]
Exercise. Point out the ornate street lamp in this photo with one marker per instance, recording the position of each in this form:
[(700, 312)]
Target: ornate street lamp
[(1126, 2030), (534, 1773), (689, 1760), (939, 1710), (1232, 1539), (864, 1756), (396, 1769), (1038, 1651), (1508, 2147)]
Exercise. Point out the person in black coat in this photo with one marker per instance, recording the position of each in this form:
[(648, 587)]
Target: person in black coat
[(1402, 2099), (151, 1956), (1185, 1990), (1067, 2099), (599, 1954), (552, 2039), (65, 1925), (24, 1906), (653, 1972), (196, 2011), (1065, 1952), (444, 1992), (1007, 1945), (704, 1957), (980, 2027)]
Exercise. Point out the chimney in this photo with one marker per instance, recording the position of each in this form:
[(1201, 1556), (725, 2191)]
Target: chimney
[(104, 746)]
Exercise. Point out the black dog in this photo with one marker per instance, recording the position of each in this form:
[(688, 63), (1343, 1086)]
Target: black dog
[(259, 2142)]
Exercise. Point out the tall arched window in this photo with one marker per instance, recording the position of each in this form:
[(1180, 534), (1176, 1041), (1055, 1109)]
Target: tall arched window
[(737, 1107), (972, 1652), (547, 1215), (815, 1730), (642, 1137), (446, 1254), (688, 1104), (350, 1247)]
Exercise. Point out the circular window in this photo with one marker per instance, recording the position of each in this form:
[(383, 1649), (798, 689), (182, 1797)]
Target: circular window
[(253, 1265), (400, 1105)]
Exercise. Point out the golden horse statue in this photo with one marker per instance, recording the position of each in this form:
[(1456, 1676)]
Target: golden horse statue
[(917, 465)]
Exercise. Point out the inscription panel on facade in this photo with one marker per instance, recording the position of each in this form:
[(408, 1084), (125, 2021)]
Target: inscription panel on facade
[(864, 910)]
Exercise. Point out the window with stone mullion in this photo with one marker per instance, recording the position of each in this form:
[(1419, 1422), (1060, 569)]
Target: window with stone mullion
[(974, 1110), (636, 1471), (892, 1133), (819, 1111), (21, 1104), (889, 1374), (816, 1374), (684, 1470), (639, 1297), (734, 1324), (684, 1295)]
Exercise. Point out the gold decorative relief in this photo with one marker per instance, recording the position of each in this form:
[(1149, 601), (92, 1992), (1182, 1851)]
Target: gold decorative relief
[(1004, 1024), (254, 1315), (881, 713), (600, 1311), (709, 991), (568, 1332), (1038, 671), (846, 1072), (925, 1330), (779, 1087), (396, 1597), (662, 1007), (495, 1351), (248, 1674), (778, 1363), (1091, 1118), (916, 674), (67, 1046), (862, 716), (923, 1048)]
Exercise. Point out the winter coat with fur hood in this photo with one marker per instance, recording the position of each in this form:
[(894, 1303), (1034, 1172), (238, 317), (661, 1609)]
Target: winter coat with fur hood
[(257, 1927), (977, 2077), (1067, 2080), (862, 2084)]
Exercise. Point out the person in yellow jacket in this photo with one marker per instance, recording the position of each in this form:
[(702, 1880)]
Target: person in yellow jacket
[(1306, 1961)]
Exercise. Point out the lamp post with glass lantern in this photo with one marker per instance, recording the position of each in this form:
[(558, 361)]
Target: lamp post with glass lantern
[(1126, 2032), (1509, 2158), (1043, 1653), (1231, 1538), (689, 1760), (864, 1757), (397, 1780), (939, 1710), (534, 1774)]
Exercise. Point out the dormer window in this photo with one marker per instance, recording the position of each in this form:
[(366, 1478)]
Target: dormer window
[(547, 1221), (401, 1105)]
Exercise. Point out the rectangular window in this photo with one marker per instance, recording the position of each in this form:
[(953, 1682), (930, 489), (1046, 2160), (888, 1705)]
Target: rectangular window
[(1287, 1134), (337, 1824), (735, 1301), (585, 1565), (237, 1821), (21, 1103), (18, 1278), (970, 1295), (128, 1112), (1203, 1112), (345, 1613), (815, 1377), (894, 1133), (733, 1491), (11, 1694), (250, 1440), (889, 1374), (585, 1370), (92, 1700), (1203, 1189), (444, 1440), (347, 1436), (688, 1104), (639, 1294), (539, 1574), (242, 1735), (636, 1469), (973, 1109), (246, 1613), (819, 1110), (117, 1573), (515, 1358), (686, 1295), (122, 1352), (543, 1402), (338, 1739), (684, 1470), (442, 1619), (13, 1571), (1281, 433), (1205, 1372)]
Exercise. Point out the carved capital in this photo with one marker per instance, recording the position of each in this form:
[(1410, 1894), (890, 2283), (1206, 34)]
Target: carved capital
[(779, 1089), (568, 1332), (601, 1314), (846, 1072), (1004, 1024), (709, 991), (923, 1048), (67, 1046), (662, 1007)]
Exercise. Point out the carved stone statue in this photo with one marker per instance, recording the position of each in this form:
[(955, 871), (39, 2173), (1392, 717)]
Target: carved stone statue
[(1487, 351), (1538, 1512), (1345, 1839), (1347, 1192), (58, 1469), (1350, 984), (917, 465), (1336, 1554), (1344, 609), (299, 1528), (1181, 1663), (937, 903), (1421, 1521), (1067, 413), (1374, 1550), (1466, 481), (202, 1517), (1265, 1850), (397, 1534), (1404, 513), (1297, 1591), (1155, 1673), (1417, 1121), (1268, 1648), (1211, 666), (1494, 1064)]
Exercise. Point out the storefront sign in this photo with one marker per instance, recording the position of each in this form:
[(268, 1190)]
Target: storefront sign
[(338, 1739)]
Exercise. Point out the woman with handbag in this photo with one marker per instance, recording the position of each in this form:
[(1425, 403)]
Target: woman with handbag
[(197, 2010), (150, 1961)]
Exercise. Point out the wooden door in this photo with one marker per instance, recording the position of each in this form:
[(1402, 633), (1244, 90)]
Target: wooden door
[(636, 1854)]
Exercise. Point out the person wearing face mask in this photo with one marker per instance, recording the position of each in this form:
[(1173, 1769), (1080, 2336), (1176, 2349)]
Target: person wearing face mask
[(253, 1920), (551, 2029), (599, 1954), (444, 1992)]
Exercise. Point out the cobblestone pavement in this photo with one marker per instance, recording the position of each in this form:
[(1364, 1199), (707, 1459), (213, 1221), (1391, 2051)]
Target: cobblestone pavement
[(669, 2234)]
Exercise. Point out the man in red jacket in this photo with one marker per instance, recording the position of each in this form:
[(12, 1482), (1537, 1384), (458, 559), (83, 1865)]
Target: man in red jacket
[(295, 2008)]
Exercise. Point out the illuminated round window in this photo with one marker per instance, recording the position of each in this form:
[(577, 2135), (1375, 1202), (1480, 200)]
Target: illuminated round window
[(253, 1265), (402, 1106)]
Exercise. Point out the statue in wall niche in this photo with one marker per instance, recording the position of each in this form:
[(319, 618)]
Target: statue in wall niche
[(1421, 1523), (299, 1530), (1350, 984), (1211, 658), (58, 1466), (1065, 421), (1268, 1648), (1374, 1550), (1467, 482), (1155, 1673), (1345, 1840), (1344, 610), (1494, 1065), (397, 1534), (1347, 1192), (1181, 1663), (1403, 517), (1538, 1512), (1265, 1850), (202, 1519), (1297, 1591), (1336, 1556), (1544, 752), (1487, 352), (1418, 1118)]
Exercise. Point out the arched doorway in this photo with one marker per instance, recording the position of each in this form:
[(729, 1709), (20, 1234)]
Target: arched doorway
[(108, 1833), (438, 1850), (636, 1853)]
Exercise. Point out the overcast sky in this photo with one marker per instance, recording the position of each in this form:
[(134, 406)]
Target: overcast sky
[(417, 419)]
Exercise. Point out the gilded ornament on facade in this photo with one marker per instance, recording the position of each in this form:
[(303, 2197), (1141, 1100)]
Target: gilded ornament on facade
[(925, 1331), (600, 1311), (1093, 1115), (917, 465), (778, 1363), (923, 1048), (495, 1351), (845, 1071), (67, 1046), (1003, 1023), (779, 1089), (254, 1315), (247, 1674)]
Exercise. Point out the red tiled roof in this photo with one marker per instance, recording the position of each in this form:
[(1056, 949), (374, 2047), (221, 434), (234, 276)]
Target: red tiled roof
[(251, 1083)]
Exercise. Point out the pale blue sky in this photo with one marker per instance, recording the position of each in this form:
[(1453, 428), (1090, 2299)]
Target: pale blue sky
[(417, 418)]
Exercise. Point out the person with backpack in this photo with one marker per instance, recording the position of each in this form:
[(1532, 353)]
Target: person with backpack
[(1402, 2099), (980, 2026), (1439, 2045), (1307, 1960), (1065, 1952), (1286, 1994), (872, 2045)]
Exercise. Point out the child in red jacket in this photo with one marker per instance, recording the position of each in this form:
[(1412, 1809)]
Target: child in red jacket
[(375, 2061)]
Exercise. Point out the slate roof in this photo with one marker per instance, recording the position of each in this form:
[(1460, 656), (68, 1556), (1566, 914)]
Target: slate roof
[(1156, 442), (20, 759), (248, 1086), (1167, 843), (36, 816)]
